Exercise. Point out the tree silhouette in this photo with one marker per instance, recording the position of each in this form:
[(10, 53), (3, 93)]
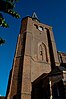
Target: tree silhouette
[(2, 41), (7, 6)]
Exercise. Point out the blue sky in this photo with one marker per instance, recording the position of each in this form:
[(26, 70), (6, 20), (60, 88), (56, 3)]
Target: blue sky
[(51, 12)]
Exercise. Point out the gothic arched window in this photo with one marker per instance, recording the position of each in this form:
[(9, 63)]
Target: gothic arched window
[(42, 52)]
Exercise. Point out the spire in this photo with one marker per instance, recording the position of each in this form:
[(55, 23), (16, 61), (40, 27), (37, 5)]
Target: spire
[(34, 16)]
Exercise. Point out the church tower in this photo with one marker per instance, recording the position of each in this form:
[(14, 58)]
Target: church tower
[(35, 57)]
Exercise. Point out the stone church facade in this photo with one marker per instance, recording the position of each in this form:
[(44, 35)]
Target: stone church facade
[(39, 70)]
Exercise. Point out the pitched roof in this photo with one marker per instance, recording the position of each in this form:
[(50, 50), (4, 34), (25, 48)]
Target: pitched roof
[(55, 71)]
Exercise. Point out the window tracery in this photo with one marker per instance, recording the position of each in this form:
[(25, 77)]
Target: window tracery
[(42, 52)]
